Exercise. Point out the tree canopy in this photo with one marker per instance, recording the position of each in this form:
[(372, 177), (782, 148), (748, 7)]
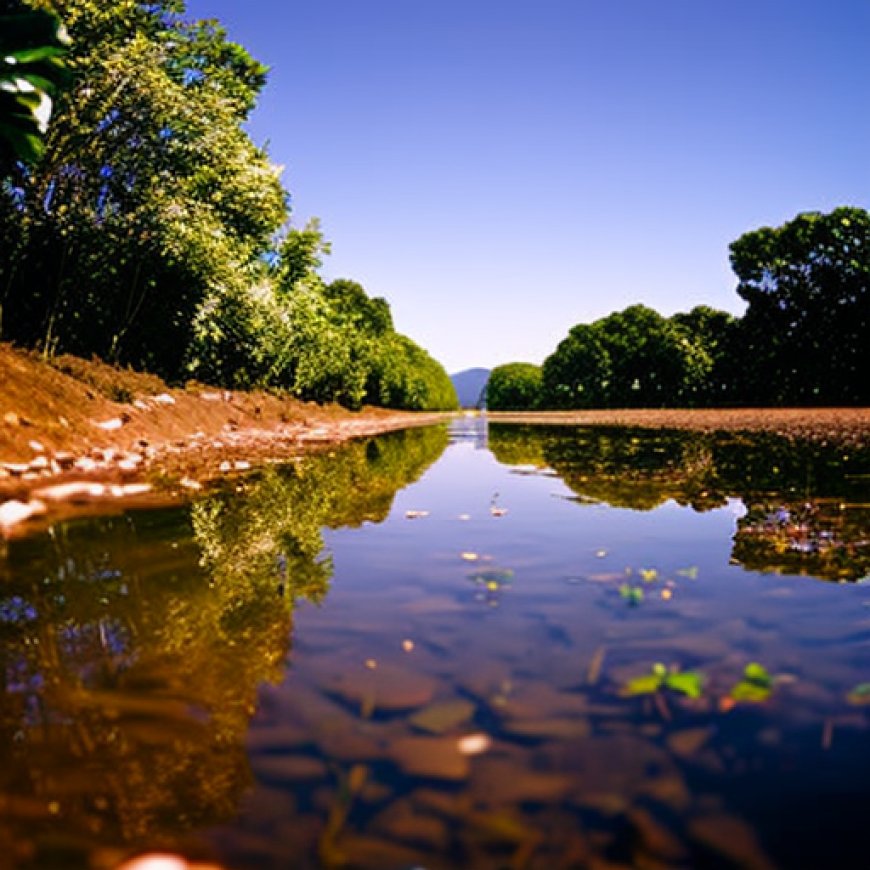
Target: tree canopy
[(151, 231), (807, 324), (514, 387)]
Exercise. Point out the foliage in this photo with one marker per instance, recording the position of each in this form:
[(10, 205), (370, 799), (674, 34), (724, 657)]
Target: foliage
[(32, 46), (578, 373), (150, 198), (803, 338), (514, 387), (756, 684), (690, 683)]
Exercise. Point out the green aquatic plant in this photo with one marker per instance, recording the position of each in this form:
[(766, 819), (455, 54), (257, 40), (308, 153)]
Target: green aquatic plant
[(756, 685), (859, 695), (661, 678), (632, 594)]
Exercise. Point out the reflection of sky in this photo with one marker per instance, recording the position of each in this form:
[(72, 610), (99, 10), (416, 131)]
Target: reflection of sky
[(545, 529)]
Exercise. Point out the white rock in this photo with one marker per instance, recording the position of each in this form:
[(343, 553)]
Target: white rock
[(14, 512), (129, 489), (164, 399), (77, 490), (111, 425)]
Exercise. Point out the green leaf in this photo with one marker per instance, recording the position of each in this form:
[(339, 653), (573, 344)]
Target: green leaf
[(689, 683), (645, 685), (756, 685), (860, 695)]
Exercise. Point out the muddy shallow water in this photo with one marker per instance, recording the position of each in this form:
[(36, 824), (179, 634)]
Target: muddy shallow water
[(503, 647)]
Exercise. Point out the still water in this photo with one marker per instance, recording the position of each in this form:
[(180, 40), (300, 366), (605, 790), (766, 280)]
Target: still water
[(508, 647)]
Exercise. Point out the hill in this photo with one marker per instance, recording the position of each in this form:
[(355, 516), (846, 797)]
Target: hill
[(469, 385)]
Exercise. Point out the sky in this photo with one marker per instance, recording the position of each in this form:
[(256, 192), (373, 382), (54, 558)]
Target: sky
[(500, 170)]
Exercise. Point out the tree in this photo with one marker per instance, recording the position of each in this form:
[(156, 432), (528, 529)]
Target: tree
[(150, 200), (514, 387), (709, 336), (32, 46), (649, 358), (578, 373), (804, 336)]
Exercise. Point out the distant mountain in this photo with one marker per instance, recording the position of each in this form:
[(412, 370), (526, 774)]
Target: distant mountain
[(470, 385)]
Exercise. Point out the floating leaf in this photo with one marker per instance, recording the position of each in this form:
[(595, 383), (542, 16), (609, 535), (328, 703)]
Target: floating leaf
[(688, 683), (632, 594), (498, 576), (648, 574), (756, 685), (690, 573), (860, 694)]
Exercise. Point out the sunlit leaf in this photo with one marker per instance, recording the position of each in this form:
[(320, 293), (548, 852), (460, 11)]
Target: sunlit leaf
[(756, 685), (689, 683)]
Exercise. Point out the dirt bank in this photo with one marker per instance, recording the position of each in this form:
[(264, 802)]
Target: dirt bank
[(840, 425), (82, 432)]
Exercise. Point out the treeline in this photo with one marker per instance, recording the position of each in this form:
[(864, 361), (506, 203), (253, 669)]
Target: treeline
[(149, 230), (800, 342)]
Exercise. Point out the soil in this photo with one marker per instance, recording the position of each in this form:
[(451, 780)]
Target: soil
[(73, 420)]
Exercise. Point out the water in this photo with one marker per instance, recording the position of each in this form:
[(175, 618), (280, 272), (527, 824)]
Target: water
[(464, 654)]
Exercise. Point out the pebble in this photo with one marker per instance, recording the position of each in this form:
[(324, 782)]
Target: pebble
[(110, 425), (442, 716), (388, 687), (436, 757), (13, 512), (288, 768), (163, 399)]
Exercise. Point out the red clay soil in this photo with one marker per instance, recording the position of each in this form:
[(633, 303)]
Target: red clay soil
[(58, 422)]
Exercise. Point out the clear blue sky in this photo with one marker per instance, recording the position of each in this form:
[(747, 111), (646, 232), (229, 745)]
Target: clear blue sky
[(501, 170)]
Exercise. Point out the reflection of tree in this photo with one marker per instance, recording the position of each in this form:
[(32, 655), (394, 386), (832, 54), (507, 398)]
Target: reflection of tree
[(131, 649), (825, 538), (804, 499)]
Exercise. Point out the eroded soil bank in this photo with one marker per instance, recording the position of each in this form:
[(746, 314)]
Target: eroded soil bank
[(76, 432)]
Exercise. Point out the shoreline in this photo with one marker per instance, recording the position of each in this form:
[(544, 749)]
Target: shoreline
[(847, 426)]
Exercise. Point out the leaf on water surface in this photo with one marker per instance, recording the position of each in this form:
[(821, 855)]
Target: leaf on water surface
[(756, 685), (498, 576), (688, 683), (632, 594), (648, 574), (860, 695), (690, 573)]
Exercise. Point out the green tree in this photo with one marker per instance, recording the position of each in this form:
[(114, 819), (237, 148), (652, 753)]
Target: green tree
[(804, 335), (649, 358), (578, 373), (514, 387), (709, 337), (32, 46), (150, 200)]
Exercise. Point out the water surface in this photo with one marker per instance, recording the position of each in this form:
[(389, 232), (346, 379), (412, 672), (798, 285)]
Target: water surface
[(415, 653)]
